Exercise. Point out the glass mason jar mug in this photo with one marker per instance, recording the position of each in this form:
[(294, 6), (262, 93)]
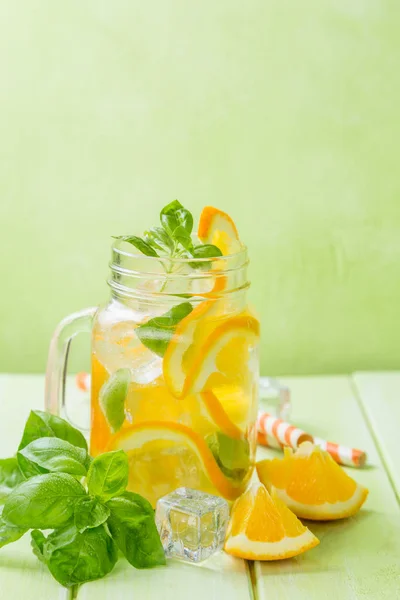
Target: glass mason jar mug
[(174, 372)]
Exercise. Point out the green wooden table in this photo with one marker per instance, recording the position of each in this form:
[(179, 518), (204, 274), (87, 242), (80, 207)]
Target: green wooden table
[(358, 558)]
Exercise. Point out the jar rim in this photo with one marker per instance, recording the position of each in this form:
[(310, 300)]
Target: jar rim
[(121, 247), (138, 275)]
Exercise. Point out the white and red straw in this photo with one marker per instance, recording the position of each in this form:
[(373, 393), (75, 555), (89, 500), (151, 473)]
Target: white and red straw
[(276, 433)]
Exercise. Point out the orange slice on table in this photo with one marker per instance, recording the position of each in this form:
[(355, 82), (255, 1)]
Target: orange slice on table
[(164, 456), (263, 528), (312, 484), (196, 363)]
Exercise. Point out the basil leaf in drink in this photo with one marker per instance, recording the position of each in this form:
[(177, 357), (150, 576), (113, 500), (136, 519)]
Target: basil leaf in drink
[(159, 239), (108, 475), (74, 558), (112, 398), (52, 455), (43, 502), (9, 533), (204, 251), (41, 424), (38, 540), (89, 513), (132, 526), (232, 455), (157, 333), (174, 215), (10, 477), (139, 244)]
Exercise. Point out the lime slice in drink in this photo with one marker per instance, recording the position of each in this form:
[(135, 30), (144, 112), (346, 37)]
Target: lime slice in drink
[(112, 398)]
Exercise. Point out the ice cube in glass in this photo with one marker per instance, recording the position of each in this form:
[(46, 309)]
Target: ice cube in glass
[(192, 524)]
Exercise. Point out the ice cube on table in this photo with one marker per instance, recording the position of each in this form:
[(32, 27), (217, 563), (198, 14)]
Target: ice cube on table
[(192, 524)]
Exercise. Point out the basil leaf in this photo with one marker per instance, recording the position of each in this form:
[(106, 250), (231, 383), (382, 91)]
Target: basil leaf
[(132, 526), (232, 455), (204, 251), (52, 455), (183, 237), (112, 398), (173, 215), (10, 477), (9, 533), (157, 333), (108, 475), (89, 513), (159, 239), (43, 502), (139, 244), (74, 558), (38, 540), (41, 424)]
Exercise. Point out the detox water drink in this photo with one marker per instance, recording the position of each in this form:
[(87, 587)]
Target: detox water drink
[(175, 367)]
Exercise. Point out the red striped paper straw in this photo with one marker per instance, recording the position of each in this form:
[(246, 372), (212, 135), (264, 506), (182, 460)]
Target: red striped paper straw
[(284, 433), (275, 433), (350, 457)]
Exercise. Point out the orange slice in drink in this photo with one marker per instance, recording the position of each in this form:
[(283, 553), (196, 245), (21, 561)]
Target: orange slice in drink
[(263, 528), (164, 456), (312, 484), (199, 357), (217, 227), (204, 412)]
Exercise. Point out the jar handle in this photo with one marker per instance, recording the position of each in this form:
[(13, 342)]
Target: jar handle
[(57, 362)]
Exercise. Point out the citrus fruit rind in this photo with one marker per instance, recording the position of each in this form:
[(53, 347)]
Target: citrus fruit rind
[(326, 511)]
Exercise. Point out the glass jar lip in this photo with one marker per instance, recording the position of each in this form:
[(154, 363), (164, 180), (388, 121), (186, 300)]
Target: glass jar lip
[(240, 258)]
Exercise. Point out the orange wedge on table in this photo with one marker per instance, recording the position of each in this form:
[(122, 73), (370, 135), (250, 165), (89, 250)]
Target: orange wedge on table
[(263, 528), (312, 484), (164, 456)]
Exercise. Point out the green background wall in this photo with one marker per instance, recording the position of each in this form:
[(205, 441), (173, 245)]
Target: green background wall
[(285, 113)]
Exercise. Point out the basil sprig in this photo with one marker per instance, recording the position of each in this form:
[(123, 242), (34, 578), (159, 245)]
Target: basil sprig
[(174, 238), (54, 484)]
